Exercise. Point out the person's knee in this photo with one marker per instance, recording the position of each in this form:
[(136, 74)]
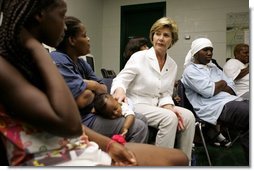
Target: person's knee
[(169, 121), (141, 117), (188, 116)]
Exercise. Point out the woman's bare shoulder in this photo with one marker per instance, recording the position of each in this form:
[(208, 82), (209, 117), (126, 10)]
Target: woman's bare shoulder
[(9, 75), (6, 69)]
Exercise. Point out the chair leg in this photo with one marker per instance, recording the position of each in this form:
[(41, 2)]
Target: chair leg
[(236, 138), (204, 143), (229, 137)]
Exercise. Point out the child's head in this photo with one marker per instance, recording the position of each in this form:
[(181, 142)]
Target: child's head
[(106, 106)]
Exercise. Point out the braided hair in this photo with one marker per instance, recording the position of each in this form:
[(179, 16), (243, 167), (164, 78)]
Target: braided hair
[(14, 15)]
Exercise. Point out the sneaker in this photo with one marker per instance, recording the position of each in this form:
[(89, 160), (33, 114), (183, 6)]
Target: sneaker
[(217, 144), (225, 143)]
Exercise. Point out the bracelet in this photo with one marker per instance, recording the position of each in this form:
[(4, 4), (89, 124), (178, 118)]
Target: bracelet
[(109, 145)]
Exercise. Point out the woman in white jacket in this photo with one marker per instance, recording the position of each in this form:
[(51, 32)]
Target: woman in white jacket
[(148, 80)]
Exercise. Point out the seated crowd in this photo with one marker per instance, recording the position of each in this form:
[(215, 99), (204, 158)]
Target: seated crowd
[(55, 111)]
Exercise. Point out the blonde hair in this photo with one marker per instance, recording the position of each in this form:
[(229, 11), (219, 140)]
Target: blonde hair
[(165, 22)]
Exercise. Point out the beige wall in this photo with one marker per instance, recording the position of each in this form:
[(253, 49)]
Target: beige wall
[(194, 17), (90, 12), (202, 18)]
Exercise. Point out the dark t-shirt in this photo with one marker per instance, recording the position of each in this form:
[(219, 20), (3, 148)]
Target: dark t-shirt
[(74, 75)]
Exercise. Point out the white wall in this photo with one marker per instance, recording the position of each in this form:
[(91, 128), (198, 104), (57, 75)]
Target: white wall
[(194, 17), (202, 18)]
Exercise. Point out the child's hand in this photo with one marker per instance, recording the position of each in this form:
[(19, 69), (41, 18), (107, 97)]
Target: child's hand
[(124, 131), (84, 138)]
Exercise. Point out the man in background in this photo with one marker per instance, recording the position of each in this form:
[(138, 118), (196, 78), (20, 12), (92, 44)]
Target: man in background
[(238, 69)]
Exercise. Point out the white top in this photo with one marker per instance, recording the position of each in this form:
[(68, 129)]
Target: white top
[(143, 81), (232, 68), (126, 110)]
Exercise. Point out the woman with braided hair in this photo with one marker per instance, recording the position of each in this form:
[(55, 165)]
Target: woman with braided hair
[(39, 120)]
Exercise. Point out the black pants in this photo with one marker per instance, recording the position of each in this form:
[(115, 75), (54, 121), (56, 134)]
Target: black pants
[(235, 114)]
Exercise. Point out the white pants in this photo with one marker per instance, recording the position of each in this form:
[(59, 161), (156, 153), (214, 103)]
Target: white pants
[(166, 122), (92, 156)]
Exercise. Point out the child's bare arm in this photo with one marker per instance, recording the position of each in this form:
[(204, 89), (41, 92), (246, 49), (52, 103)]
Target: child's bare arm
[(127, 124)]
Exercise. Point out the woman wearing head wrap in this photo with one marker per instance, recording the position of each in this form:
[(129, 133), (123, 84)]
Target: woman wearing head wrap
[(212, 94), (216, 137), (148, 80), (196, 45)]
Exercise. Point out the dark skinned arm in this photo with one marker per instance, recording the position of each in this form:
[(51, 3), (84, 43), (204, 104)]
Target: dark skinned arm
[(87, 96), (243, 72), (95, 86), (129, 120), (222, 86), (53, 110)]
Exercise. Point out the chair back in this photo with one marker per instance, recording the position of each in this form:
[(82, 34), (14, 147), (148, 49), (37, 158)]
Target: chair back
[(108, 83), (184, 102), (108, 73), (90, 61), (200, 124)]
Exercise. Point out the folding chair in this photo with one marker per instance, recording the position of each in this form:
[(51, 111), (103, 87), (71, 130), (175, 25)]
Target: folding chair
[(108, 73), (200, 124), (230, 139)]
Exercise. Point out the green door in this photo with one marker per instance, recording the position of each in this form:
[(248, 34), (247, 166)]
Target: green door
[(136, 21)]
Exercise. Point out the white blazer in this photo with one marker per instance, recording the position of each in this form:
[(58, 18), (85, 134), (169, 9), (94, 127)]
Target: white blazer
[(143, 81)]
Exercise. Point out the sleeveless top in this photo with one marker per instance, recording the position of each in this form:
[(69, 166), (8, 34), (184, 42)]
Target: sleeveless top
[(28, 146)]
